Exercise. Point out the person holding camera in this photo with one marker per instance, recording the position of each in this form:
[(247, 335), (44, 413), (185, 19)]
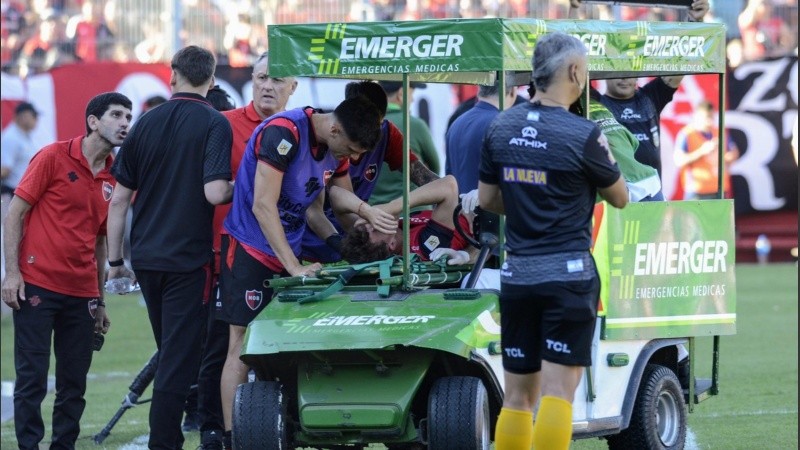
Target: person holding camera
[(55, 250)]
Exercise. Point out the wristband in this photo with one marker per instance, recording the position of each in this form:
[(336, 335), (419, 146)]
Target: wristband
[(101, 303), (358, 211), (117, 263)]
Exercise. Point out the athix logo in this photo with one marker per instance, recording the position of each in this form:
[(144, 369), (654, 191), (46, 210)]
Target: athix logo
[(312, 185), (528, 139), (530, 132)]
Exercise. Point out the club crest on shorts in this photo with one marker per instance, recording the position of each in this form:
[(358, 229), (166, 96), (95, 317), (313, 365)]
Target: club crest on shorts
[(253, 299), (371, 172), (108, 189), (92, 308), (35, 301)]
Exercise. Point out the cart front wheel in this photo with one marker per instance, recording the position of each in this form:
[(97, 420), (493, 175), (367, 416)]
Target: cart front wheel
[(659, 414), (259, 417), (458, 414)]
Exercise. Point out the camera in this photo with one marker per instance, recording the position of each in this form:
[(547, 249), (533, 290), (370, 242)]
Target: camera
[(99, 339)]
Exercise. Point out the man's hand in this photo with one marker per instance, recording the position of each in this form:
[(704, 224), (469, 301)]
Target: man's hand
[(309, 270), (13, 288), (377, 217), (698, 10), (469, 201), (454, 257), (101, 320)]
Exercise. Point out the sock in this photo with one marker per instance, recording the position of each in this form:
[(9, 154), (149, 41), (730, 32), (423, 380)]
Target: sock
[(513, 430), (553, 428)]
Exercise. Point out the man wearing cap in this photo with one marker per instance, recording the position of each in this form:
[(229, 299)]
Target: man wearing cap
[(390, 183)]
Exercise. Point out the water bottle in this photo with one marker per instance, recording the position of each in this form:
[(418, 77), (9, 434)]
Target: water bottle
[(122, 285), (763, 248)]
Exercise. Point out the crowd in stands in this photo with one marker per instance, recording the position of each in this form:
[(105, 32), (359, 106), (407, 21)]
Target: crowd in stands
[(41, 34)]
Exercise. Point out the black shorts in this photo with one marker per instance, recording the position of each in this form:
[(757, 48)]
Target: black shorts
[(241, 288), (553, 321)]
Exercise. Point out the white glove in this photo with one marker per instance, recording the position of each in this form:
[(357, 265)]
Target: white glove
[(454, 257), (469, 201)]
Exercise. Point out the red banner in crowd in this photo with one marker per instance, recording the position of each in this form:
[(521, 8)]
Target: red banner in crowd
[(762, 107)]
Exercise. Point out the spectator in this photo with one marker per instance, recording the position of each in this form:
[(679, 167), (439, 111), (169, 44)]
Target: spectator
[(696, 154), (548, 230), (89, 32), (18, 148), (763, 34), (171, 236), (55, 251), (390, 183)]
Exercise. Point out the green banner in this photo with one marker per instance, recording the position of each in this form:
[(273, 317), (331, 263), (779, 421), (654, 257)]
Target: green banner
[(668, 269), (472, 50)]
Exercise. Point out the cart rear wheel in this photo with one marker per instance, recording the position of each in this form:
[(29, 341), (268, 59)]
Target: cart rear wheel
[(259, 417), (458, 414), (659, 415)]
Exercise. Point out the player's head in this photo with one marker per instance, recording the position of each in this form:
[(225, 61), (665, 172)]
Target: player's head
[(195, 65), (356, 128), (559, 60), (369, 89), (365, 244), (109, 115), (270, 94)]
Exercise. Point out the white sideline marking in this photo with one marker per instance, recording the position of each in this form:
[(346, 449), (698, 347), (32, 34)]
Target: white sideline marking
[(691, 440), (139, 443)]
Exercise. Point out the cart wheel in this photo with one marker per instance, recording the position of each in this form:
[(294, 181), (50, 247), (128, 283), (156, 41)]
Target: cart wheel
[(659, 415), (259, 417), (458, 414)]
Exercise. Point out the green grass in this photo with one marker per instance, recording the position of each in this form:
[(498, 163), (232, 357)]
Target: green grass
[(756, 408)]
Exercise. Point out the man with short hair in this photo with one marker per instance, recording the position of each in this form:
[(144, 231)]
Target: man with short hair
[(549, 273), (290, 160), (55, 250), (365, 171), (464, 139), (390, 183), (432, 232), (177, 161), (639, 110), (270, 95)]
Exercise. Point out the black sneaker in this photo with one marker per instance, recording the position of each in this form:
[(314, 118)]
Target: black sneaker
[(211, 440)]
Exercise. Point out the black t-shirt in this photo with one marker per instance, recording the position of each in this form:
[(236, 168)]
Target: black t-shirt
[(641, 115), (167, 158), (548, 163)]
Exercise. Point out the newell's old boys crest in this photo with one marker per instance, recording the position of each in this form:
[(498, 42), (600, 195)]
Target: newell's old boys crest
[(93, 307), (108, 189), (253, 299), (371, 172)]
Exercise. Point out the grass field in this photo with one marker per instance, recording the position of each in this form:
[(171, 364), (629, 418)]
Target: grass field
[(757, 406)]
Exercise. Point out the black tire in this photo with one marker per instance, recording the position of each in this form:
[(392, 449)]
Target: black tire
[(259, 417), (659, 414), (458, 415)]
